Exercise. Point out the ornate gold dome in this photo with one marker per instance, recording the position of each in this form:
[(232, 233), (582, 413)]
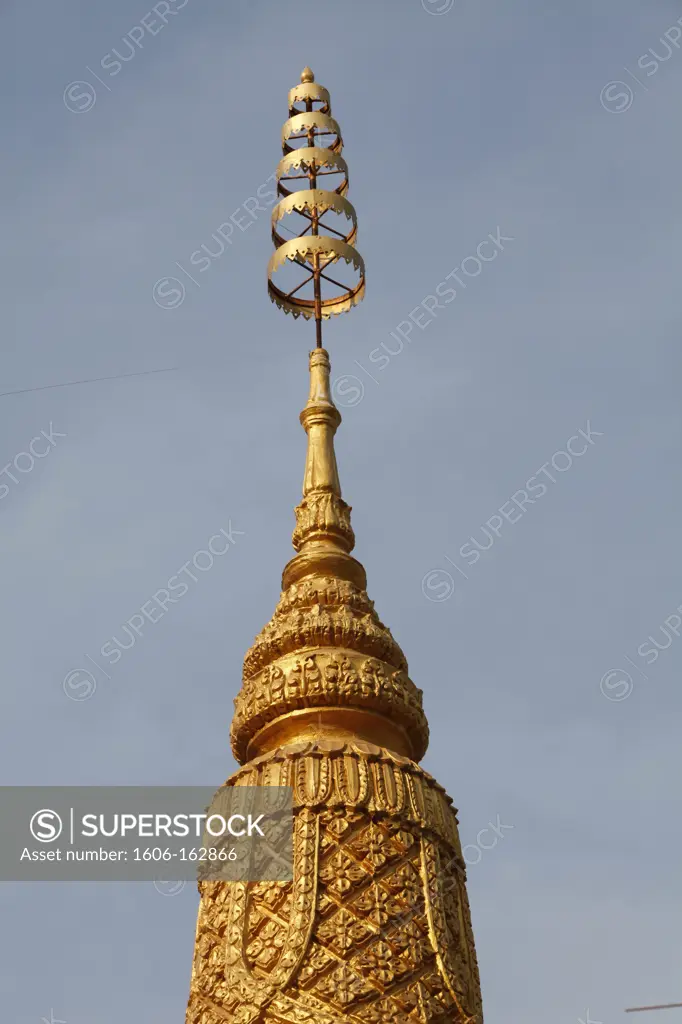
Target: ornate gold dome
[(325, 662), (375, 927)]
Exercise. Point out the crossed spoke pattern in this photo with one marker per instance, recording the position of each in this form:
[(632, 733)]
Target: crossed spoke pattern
[(312, 144)]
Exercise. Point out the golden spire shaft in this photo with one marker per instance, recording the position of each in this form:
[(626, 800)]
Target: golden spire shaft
[(320, 419), (375, 926), (307, 76)]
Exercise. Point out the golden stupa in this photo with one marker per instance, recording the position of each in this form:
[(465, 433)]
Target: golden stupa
[(375, 926)]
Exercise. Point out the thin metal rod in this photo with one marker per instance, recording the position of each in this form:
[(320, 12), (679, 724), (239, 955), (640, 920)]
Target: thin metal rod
[(338, 284), (300, 263), (312, 174), (321, 223), (306, 135), (298, 286), (297, 177)]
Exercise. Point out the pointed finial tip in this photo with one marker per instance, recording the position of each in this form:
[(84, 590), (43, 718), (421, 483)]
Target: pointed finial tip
[(307, 75)]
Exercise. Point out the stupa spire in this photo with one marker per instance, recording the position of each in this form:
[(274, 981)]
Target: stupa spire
[(320, 418), (323, 536), (375, 926)]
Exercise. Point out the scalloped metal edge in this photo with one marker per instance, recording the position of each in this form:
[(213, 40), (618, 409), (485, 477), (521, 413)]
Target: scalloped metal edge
[(336, 307), (310, 91), (312, 119), (315, 244), (363, 748), (324, 157), (316, 200), (324, 246)]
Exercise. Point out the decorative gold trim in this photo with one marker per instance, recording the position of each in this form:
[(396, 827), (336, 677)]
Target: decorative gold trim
[(302, 159), (318, 678), (310, 91), (307, 121), (314, 201), (304, 249), (375, 926)]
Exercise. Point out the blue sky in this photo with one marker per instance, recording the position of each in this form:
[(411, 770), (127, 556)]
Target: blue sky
[(487, 118)]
